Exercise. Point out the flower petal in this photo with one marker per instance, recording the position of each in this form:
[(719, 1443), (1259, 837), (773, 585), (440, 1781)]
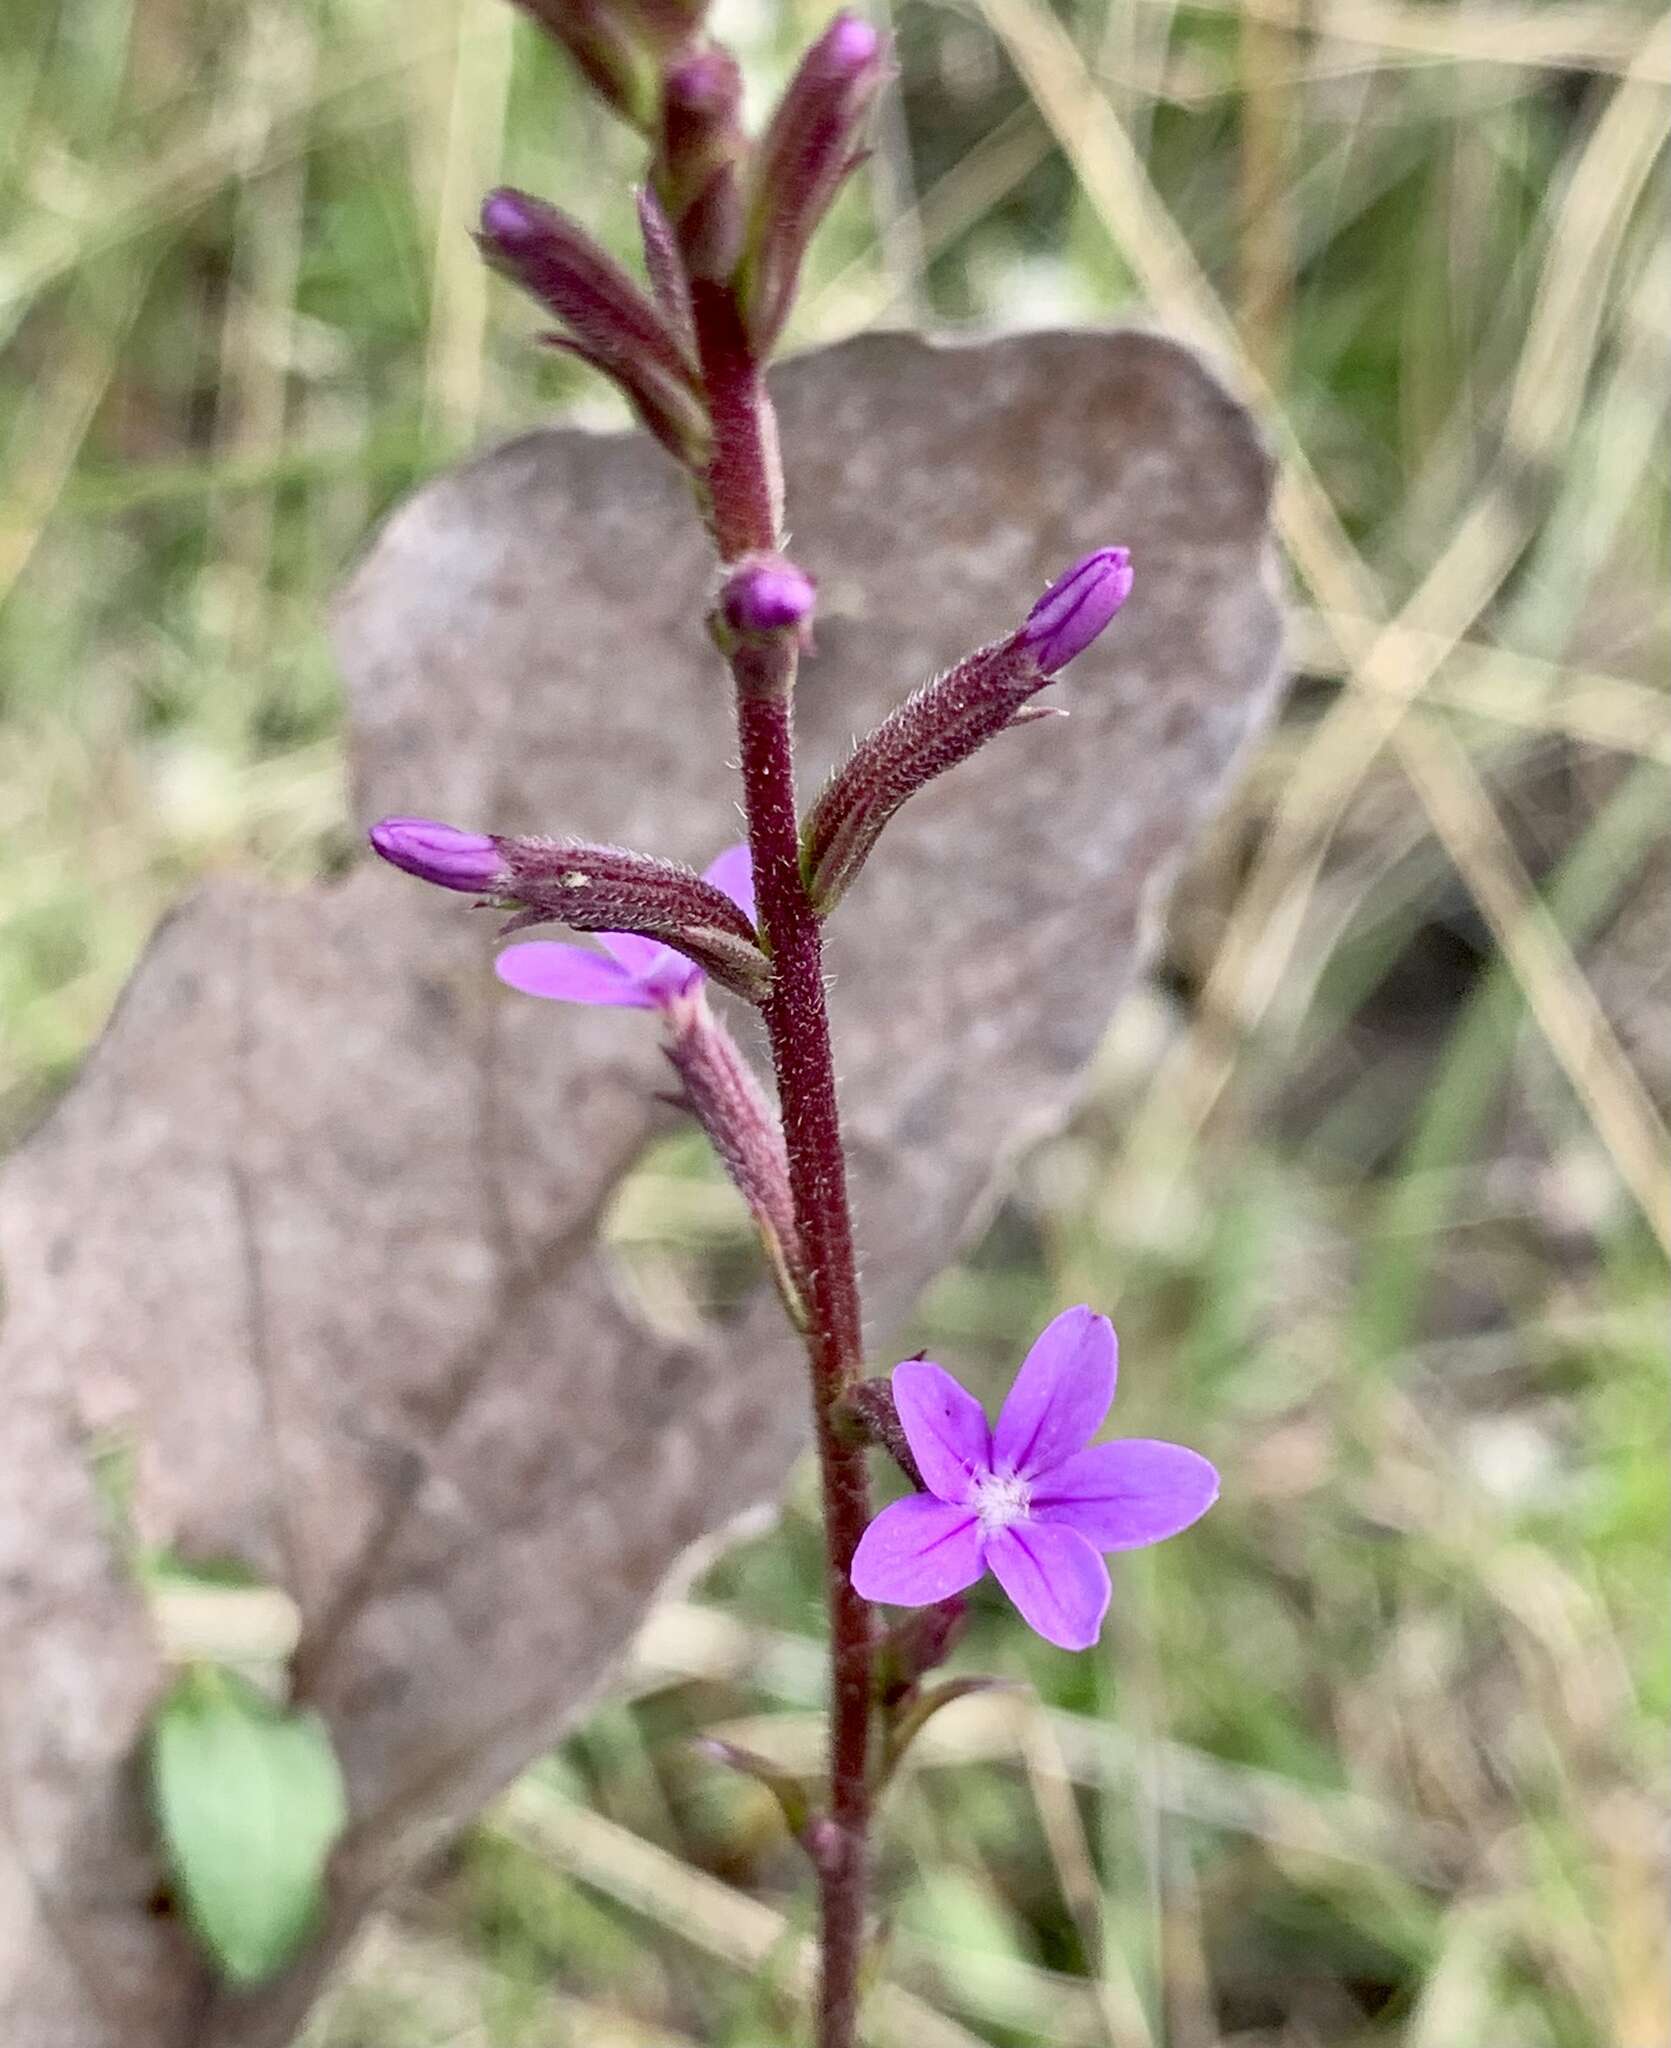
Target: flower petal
[(662, 972), (917, 1551), (640, 957), (1055, 1578), (733, 872), (1127, 1493), (945, 1426), (568, 974), (1061, 1394)]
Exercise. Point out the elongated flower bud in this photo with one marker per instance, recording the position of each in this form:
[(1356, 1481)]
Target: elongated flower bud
[(719, 1089), (944, 724), (467, 861), (805, 155), (609, 321), (700, 153), (607, 50), (590, 888)]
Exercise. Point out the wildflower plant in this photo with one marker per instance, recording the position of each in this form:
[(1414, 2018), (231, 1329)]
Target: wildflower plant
[(725, 224)]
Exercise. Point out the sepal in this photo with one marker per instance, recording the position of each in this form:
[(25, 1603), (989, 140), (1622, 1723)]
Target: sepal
[(719, 1089)]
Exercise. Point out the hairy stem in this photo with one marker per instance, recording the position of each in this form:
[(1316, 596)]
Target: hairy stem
[(743, 491)]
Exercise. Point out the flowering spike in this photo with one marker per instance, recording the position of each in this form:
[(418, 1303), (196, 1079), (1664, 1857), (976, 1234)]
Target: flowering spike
[(945, 723), (805, 155), (1076, 607), (467, 861), (721, 1092), (766, 594), (612, 325), (699, 157)]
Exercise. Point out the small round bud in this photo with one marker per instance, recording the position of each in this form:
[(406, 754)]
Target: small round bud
[(766, 594)]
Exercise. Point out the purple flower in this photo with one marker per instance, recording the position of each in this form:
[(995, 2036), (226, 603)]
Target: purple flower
[(1076, 607), (442, 854), (633, 973), (1030, 1501)]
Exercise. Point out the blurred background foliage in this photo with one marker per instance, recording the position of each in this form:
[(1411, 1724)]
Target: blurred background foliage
[(1371, 1172)]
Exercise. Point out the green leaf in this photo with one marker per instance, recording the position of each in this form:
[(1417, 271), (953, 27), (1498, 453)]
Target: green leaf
[(250, 1801)]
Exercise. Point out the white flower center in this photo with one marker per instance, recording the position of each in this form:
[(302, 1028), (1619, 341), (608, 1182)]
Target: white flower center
[(1000, 1499)]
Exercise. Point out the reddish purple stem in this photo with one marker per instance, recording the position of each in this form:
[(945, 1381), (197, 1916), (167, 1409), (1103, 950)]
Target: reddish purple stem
[(744, 493)]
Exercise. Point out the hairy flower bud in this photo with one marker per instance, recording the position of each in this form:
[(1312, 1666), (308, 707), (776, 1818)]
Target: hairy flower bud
[(601, 38), (697, 172), (944, 724), (609, 321), (591, 888), (1076, 607), (766, 594), (467, 861), (805, 155)]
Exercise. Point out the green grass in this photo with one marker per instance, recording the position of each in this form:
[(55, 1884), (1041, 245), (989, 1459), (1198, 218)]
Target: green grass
[(1375, 1757)]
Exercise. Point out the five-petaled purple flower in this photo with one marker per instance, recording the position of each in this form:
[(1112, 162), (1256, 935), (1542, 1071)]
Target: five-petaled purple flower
[(1028, 1501), (634, 973)]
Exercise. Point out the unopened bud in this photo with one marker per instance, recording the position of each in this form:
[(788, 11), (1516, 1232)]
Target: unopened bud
[(805, 155), (699, 157), (467, 861), (610, 323), (607, 51), (766, 594), (984, 695), (1076, 607)]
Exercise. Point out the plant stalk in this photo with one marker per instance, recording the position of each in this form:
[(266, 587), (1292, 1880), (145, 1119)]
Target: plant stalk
[(742, 488)]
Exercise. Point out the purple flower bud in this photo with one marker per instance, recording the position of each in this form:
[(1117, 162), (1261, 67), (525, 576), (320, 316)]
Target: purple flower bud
[(606, 50), (442, 854), (699, 157), (1076, 607), (611, 324), (987, 693), (766, 594), (806, 153)]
